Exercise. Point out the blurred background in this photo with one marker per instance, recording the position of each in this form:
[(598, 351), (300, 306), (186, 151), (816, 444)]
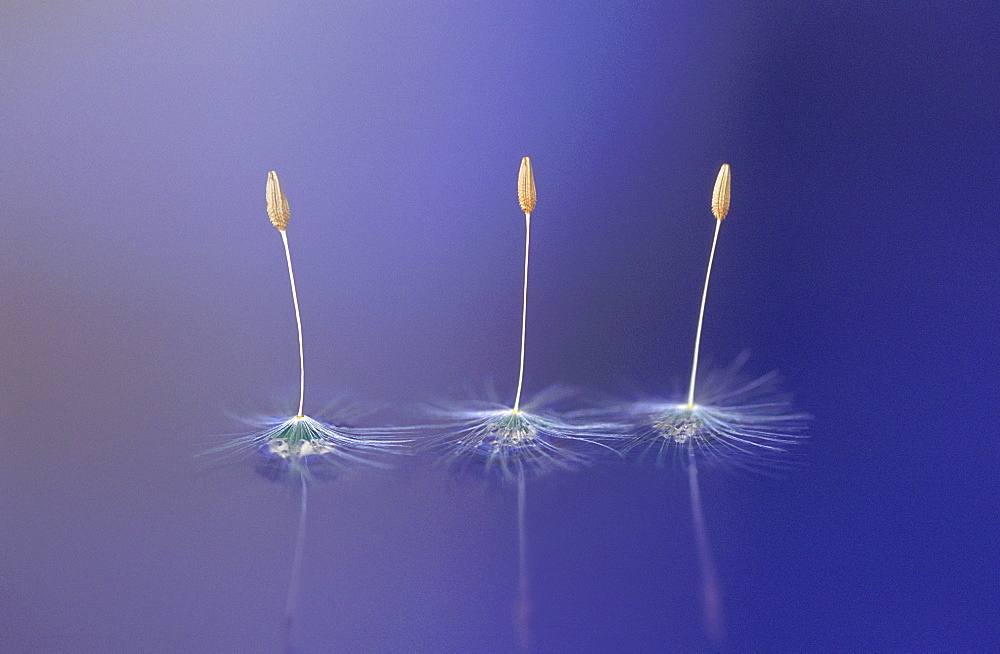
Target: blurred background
[(144, 299)]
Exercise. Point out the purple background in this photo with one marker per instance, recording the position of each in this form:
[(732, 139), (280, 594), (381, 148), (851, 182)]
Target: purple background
[(143, 295)]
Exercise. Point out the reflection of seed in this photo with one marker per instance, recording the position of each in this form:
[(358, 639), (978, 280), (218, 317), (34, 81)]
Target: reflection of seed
[(277, 203), (526, 186), (278, 446), (512, 431), (720, 196), (679, 432)]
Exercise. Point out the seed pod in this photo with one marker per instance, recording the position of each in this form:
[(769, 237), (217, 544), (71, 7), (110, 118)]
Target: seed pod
[(277, 203), (720, 196), (526, 186)]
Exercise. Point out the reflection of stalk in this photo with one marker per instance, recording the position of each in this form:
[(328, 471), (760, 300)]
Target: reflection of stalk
[(293, 584), (711, 596), (522, 610)]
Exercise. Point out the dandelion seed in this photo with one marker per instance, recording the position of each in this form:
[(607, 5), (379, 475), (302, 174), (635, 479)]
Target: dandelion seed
[(300, 448), (521, 440), (743, 422)]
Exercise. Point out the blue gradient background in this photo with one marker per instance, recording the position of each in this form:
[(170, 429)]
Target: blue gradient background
[(143, 294)]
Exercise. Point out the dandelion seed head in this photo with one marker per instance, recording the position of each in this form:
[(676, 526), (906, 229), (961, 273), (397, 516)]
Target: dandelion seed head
[(292, 448), (740, 421), (511, 429), (301, 437), (533, 440)]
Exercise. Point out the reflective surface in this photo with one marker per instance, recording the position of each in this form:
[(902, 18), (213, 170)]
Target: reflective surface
[(144, 298)]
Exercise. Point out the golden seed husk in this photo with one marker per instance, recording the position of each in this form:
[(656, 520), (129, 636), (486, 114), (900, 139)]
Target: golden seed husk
[(526, 186), (277, 203), (720, 196)]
